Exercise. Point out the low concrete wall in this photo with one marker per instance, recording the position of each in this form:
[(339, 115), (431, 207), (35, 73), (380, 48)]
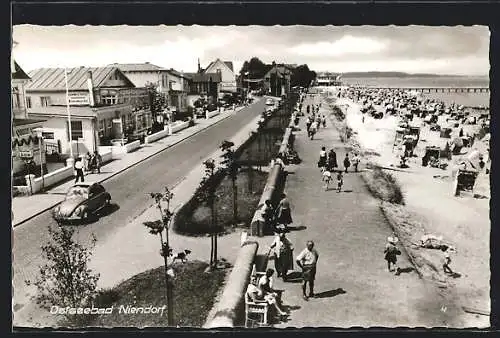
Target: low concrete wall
[(117, 150), (269, 193), (106, 155), (180, 126), (286, 141), (156, 136), (232, 298), (129, 147), (211, 114), (50, 178)]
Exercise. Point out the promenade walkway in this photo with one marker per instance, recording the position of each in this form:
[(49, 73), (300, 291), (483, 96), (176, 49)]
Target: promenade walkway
[(26, 207), (353, 285)]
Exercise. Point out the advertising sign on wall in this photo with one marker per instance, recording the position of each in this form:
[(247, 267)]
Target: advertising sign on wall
[(79, 99)]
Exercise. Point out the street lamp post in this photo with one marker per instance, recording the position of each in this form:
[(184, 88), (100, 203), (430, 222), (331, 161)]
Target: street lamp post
[(39, 135), (247, 74), (68, 113)]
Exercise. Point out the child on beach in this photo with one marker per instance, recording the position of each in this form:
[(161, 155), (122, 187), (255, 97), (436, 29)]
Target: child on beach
[(446, 260), (391, 252)]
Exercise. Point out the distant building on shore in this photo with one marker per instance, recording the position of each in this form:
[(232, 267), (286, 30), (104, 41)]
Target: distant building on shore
[(328, 79)]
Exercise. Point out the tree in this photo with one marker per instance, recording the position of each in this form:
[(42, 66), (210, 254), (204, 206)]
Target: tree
[(302, 76), (207, 194), (256, 69), (156, 228), (156, 102), (66, 279), (230, 168)]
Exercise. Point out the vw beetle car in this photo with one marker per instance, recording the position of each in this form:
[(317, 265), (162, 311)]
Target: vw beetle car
[(82, 201)]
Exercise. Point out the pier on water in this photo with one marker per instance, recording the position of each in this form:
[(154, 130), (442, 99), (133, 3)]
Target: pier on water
[(431, 89)]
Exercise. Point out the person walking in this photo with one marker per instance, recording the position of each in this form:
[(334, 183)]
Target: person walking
[(355, 162), (327, 176), (322, 162), (323, 121), (284, 215), (79, 166), (283, 255), (313, 129), (307, 261), (347, 162), (340, 180), (88, 162), (332, 159), (318, 120), (308, 125), (98, 161), (391, 252)]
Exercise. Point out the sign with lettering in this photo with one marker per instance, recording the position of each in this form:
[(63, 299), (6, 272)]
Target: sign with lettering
[(26, 154), (79, 100)]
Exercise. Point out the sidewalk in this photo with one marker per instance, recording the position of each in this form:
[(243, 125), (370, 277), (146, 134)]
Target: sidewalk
[(353, 285), (27, 207)]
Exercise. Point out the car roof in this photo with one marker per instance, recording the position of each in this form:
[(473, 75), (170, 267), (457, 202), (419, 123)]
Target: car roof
[(84, 184)]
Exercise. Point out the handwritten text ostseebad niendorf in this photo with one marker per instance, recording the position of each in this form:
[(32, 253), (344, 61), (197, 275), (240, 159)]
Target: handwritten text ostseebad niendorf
[(122, 309)]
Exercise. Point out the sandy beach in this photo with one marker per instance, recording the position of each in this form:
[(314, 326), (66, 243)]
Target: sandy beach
[(429, 197)]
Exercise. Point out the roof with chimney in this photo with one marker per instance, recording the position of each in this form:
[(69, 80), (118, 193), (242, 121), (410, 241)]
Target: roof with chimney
[(205, 77), (52, 79), (137, 67), (18, 73)]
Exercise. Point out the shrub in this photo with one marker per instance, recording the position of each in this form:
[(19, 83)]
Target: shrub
[(384, 186)]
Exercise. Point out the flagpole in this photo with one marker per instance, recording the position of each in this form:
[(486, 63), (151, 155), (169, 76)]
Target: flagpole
[(68, 113)]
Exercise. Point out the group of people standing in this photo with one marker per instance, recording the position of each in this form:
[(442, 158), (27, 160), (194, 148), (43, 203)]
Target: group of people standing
[(88, 163), (328, 164)]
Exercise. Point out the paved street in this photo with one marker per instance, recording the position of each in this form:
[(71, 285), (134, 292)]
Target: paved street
[(350, 231), (130, 191)]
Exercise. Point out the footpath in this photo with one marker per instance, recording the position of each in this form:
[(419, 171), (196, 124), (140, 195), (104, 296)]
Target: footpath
[(25, 208), (353, 285)]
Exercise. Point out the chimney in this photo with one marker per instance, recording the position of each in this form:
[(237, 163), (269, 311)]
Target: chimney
[(90, 85)]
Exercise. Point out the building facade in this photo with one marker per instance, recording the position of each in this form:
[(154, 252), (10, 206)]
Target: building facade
[(102, 105), (228, 77), (204, 85), (171, 84), (178, 86), (27, 148), (277, 79)]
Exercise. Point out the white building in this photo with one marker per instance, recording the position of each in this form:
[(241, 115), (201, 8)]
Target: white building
[(171, 83), (25, 143), (104, 105), (228, 76)]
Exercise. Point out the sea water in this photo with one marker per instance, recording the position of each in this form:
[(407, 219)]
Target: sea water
[(466, 99)]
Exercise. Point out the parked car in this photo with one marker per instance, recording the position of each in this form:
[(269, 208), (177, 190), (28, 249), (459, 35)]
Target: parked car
[(269, 102), (82, 201)]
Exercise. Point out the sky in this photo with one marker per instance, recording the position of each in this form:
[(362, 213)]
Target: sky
[(456, 50)]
